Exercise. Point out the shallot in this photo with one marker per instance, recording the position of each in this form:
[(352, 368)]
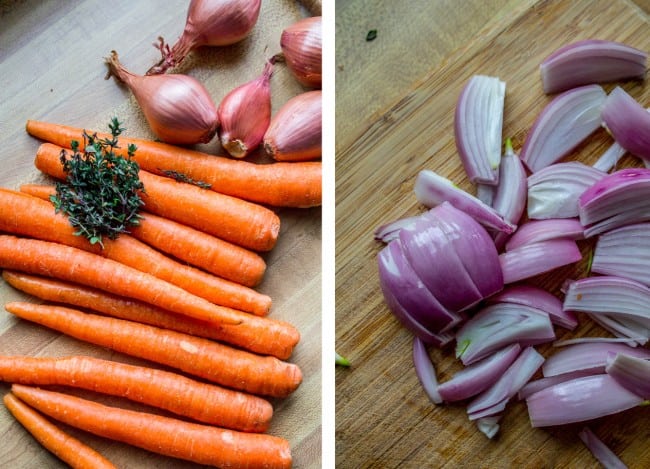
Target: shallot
[(209, 23), (245, 114), (302, 47), (295, 132), (178, 108)]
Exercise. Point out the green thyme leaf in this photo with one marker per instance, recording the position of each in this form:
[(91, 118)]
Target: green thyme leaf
[(101, 193)]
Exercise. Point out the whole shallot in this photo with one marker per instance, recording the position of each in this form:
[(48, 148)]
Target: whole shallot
[(245, 114), (302, 44), (178, 108), (295, 132), (209, 23)]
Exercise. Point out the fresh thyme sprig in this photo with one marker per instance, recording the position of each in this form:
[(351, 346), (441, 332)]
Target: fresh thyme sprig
[(101, 194), (180, 177)]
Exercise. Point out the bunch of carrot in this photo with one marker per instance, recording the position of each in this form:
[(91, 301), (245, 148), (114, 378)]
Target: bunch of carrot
[(178, 290)]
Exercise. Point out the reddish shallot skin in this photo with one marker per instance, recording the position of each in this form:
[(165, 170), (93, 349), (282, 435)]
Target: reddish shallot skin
[(209, 23), (295, 132), (178, 108), (245, 114), (301, 45)]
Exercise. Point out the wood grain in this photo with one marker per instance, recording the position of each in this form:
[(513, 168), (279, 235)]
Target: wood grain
[(384, 419), (51, 68)]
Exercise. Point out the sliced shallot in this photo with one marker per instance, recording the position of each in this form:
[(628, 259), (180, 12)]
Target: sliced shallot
[(600, 450), (536, 297), (562, 125), (431, 189), (498, 325), (535, 231), (425, 370), (628, 122), (633, 373), (578, 400), (478, 376), (624, 252), (553, 191), (537, 258), (478, 125), (618, 199), (591, 61), (494, 399)]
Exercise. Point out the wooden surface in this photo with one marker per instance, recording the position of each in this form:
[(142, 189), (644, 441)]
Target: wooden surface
[(394, 117), (51, 68)]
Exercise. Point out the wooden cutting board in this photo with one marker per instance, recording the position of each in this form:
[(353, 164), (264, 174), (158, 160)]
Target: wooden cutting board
[(383, 417), (51, 68)]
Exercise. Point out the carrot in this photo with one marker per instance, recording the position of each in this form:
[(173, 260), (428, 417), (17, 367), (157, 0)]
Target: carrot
[(43, 223), (67, 448), (241, 222), (221, 364), (277, 184), (261, 335), (194, 442), (170, 391), (195, 247)]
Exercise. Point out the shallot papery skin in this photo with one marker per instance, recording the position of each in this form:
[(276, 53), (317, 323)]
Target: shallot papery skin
[(302, 47), (295, 132), (591, 61), (178, 108), (245, 114), (209, 23)]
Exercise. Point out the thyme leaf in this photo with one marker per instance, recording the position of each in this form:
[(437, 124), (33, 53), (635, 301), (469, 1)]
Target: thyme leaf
[(101, 193)]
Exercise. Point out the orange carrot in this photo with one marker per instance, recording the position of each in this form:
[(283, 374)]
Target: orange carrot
[(261, 335), (195, 247), (221, 364), (278, 184), (241, 222), (43, 223), (67, 448), (195, 442), (170, 391)]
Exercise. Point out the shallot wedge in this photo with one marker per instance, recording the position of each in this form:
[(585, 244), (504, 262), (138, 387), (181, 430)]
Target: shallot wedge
[(536, 297), (624, 252), (633, 373), (591, 61), (431, 189), (601, 452), (478, 376), (620, 198), (493, 400), (562, 125), (553, 191), (587, 357), (425, 370), (478, 124), (628, 122), (533, 259), (578, 400), (498, 325), (536, 231)]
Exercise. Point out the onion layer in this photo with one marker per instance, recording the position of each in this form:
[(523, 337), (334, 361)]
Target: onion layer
[(628, 122)]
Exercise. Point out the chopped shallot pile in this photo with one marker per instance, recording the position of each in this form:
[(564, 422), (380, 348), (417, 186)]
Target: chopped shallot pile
[(458, 275)]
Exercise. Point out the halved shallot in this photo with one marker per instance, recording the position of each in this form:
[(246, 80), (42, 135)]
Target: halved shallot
[(591, 61), (478, 124), (562, 125)]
